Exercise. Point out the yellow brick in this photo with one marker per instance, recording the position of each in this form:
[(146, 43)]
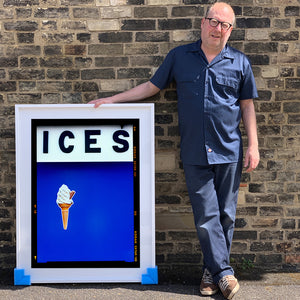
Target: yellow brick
[(183, 35), (98, 25), (115, 12), (118, 2), (269, 72), (257, 35), (175, 221), (102, 3), (241, 198), (115, 85), (163, 2), (165, 161)]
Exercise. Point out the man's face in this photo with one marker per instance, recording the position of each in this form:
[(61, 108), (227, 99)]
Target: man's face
[(215, 38)]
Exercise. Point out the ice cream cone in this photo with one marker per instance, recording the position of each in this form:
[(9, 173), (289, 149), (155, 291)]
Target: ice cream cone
[(65, 213), (64, 201)]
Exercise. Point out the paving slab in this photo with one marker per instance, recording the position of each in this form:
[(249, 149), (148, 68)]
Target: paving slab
[(284, 286)]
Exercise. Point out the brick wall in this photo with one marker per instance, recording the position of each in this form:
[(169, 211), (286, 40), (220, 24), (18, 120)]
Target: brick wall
[(72, 51)]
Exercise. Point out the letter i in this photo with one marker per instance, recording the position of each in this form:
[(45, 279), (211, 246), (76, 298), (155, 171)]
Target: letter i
[(45, 141)]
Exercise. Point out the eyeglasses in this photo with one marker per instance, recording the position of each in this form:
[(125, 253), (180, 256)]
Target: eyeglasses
[(214, 23)]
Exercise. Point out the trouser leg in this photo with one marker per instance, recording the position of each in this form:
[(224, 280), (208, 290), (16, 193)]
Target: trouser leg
[(213, 192)]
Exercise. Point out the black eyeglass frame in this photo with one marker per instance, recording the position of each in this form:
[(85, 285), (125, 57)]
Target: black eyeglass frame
[(219, 22)]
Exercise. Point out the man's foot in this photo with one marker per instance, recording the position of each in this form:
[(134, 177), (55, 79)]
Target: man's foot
[(207, 286), (229, 286)]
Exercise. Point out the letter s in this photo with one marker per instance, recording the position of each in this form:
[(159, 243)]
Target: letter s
[(117, 139)]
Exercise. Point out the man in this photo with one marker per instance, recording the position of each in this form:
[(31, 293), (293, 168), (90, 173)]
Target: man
[(215, 88)]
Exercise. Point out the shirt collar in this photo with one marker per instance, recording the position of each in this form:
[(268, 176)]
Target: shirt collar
[(225, 53)]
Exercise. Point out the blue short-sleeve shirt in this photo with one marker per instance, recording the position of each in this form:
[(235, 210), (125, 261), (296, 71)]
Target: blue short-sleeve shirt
[(209, 96)]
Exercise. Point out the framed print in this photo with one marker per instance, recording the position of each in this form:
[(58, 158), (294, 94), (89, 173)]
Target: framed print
[(85, 193)]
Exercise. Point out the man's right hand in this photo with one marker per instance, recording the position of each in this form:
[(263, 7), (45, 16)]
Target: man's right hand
[(100, 101)]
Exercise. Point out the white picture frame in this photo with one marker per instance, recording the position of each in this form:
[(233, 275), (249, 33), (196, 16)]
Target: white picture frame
[(26, 271)]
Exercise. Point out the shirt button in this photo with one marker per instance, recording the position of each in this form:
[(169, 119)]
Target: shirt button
[(209, 150)]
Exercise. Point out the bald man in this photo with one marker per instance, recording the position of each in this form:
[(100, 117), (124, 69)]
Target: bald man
[(215, 89)]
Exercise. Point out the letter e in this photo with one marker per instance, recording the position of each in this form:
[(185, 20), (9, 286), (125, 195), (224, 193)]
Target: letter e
[(89, 141)]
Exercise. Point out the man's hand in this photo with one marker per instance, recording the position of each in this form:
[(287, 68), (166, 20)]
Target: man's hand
[(100, 101), (251, 159)]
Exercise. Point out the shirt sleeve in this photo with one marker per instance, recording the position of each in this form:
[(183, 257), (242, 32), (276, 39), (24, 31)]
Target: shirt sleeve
[(164, 74), (248, 89)]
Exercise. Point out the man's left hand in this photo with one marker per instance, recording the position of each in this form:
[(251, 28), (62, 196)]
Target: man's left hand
[(251, 159)]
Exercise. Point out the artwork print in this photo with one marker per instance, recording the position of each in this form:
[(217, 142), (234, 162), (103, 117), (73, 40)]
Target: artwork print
[(85, 193)]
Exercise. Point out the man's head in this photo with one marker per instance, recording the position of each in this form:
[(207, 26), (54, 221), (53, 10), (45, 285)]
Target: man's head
[(216, 27)]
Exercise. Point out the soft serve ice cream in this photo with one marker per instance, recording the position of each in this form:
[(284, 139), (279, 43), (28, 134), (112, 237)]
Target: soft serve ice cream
[(64, 201), (63, 195)]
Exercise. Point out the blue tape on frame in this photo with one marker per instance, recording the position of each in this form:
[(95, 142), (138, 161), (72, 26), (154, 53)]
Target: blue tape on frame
[(20, 278), (151, 277)]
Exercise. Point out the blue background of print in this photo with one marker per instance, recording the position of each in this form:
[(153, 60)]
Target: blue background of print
[(101, 220)]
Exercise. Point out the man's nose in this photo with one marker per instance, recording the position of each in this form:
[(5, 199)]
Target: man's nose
[(217, 27)]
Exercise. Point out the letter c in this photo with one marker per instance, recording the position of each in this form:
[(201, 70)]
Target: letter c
[(61, 141)]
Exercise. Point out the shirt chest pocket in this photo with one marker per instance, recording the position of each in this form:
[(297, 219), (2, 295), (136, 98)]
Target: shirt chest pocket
[(227, 87), (228, 82), (188, 86)]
